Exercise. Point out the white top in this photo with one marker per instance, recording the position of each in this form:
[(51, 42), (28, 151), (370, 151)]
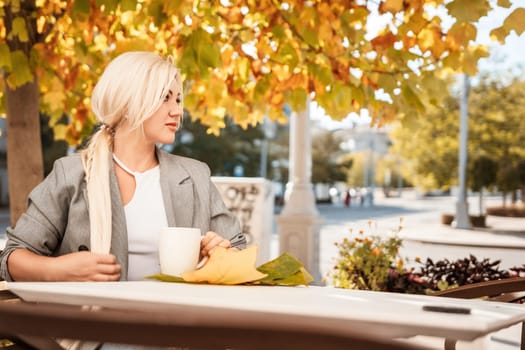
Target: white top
[(145, 217)]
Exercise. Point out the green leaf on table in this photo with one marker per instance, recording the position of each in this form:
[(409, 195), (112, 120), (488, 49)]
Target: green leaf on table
[(284, 270), (281, 267), (166, 278), (301, 277)]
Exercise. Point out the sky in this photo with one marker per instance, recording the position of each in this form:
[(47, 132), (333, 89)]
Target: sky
[(509, 52), (501, 60)]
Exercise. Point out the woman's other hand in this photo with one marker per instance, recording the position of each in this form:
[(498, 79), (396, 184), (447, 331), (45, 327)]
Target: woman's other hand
[(87, 266), (212, 240), (79, 266)]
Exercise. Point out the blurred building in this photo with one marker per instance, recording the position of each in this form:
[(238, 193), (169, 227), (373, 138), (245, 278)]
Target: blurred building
[(373, 144), (362, 137)]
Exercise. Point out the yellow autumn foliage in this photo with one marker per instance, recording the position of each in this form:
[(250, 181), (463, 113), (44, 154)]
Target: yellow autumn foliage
[(254, 53)]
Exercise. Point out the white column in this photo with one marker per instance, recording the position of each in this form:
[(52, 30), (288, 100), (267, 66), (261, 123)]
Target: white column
[(299, 222), (462, 217), (372, 167)]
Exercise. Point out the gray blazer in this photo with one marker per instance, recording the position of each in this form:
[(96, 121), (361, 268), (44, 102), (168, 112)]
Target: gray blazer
[(57, 220)]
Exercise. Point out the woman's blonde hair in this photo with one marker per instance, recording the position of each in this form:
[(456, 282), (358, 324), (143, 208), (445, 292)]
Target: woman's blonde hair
[(133, 86)]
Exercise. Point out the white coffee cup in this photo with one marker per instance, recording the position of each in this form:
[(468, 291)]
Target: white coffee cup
[(179, 249)]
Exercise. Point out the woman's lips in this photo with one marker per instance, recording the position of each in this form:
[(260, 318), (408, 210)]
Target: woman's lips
[(172, 126)]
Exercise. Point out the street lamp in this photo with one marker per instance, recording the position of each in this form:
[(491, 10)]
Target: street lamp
[(462, 217)]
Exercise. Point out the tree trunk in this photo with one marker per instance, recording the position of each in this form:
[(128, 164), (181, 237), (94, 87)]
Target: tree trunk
[(25, 166), (24, 148)]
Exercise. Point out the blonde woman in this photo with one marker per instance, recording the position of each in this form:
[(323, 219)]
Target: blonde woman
[(98, 214)]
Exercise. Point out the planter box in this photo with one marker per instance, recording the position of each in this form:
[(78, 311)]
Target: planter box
[(476, 221), (510, 211), (446, 219)]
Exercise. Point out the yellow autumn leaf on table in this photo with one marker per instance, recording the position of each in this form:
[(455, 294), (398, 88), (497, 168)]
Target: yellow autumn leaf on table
[(227, 266)]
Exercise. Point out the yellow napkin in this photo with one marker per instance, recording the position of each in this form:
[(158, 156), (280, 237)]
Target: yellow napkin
[(227, 266)]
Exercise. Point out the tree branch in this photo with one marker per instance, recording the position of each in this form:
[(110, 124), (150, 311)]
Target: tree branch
[(41, 37)]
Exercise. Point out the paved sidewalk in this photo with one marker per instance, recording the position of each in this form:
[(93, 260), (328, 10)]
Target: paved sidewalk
[(502, 233)]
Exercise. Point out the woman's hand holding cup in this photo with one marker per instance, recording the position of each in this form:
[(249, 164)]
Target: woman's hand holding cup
[(212, 240)]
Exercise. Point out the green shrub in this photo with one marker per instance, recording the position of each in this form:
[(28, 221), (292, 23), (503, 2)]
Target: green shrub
[(365, 262)]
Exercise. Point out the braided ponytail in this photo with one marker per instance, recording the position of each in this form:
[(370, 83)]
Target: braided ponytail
[(95, 159)]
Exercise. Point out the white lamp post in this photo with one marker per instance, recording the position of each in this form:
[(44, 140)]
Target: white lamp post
[(462, 217)]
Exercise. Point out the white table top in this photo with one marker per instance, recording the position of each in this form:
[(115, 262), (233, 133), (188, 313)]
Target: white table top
[(321, 309)]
